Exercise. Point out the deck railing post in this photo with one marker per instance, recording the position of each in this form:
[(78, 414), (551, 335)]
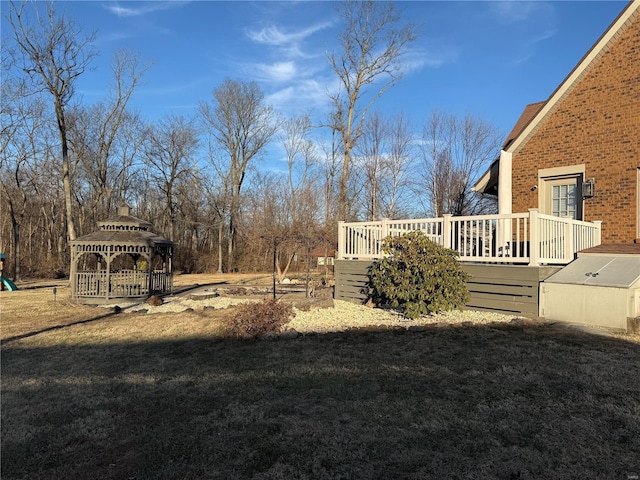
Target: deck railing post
[(341, 242), (597, 237), (534, 237), (384, 222), (447, 220), (384, 232), (570, 245)]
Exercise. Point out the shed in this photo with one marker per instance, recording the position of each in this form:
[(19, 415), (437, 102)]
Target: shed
[(595, 289), (122, 260)]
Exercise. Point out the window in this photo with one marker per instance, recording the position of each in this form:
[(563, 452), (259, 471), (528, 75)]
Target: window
[(560, 191), (564, 199)]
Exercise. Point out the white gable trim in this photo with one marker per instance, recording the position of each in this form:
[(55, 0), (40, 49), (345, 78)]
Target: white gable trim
[(630, 11)]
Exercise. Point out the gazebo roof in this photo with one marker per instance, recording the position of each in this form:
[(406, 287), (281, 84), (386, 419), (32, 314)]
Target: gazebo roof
[(123, 229), (123, 219), (137, 237)]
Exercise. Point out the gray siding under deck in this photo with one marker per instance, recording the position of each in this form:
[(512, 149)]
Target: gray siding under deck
[(512, 289)]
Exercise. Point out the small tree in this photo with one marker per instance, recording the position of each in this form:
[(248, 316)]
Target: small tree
[(418, 276)]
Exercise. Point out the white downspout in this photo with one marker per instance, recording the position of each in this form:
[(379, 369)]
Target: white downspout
[(503, 234)]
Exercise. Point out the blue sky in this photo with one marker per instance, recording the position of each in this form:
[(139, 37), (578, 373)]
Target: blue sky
[(486, 58)]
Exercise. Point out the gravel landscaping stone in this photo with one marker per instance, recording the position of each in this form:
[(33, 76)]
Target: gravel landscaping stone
[(342, 316)]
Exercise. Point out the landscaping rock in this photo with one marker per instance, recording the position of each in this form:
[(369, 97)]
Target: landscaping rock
[(290, 333), (203, 295), (154, 301)]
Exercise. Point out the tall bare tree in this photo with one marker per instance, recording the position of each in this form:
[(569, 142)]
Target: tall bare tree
[(385, 158), (24, 143), (373, 42), (455, 152), (241, 124), (397, 167), (169, 152), (370, 162), (102, 135), (53, 53)]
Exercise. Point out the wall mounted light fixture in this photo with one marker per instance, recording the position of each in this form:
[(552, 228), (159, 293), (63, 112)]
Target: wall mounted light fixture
[(589, 188)]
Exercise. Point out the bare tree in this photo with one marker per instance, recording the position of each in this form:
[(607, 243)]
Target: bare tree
[(242, 125), (102, 136), (329, 170), (371, 153), (373, 42), (397, 167), (23, 142), (301, 160), (455, 152), (170, 147), (53, 54), (384, 165)]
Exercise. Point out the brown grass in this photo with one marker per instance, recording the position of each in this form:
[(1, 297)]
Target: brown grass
[(167, 397)]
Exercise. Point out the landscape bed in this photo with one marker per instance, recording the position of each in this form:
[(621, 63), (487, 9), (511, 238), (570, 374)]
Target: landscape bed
[(166, 396)]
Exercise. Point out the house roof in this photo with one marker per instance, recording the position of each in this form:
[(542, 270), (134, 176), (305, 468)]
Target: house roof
[(535, 113), (529, 112), (584, 65), (488, 182)]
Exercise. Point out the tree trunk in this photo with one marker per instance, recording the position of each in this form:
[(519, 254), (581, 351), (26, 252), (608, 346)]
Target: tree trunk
[(66, 171), (344, 179), (220, 231)]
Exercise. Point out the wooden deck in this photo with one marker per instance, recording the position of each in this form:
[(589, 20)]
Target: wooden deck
[(511, 289)]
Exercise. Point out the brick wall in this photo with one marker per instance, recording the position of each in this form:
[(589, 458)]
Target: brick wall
[(597, 124)]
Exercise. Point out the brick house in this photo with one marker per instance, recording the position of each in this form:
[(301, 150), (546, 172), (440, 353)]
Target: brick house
[(577, 154)]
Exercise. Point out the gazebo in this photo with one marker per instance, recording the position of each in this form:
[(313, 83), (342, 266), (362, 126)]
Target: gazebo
[(122, 260)]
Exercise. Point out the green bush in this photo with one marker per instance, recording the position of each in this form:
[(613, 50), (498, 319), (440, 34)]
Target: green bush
[(252, 320), (418, 276)]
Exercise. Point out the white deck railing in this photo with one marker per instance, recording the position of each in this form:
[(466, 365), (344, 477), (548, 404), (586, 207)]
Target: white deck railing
[(530, 238)]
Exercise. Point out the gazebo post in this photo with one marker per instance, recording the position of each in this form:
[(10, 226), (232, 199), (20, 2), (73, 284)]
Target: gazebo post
[(150, 270)]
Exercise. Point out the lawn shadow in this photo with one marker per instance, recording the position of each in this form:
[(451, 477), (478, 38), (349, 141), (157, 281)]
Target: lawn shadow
[(491, 401)]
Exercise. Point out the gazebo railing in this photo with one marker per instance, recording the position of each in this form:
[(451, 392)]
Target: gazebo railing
[(161, 282), (124, 283)]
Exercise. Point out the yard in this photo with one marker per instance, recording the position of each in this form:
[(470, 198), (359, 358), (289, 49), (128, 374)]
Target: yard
[(166, 396)]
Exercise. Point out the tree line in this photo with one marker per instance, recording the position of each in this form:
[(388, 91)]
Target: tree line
[(66, 165)]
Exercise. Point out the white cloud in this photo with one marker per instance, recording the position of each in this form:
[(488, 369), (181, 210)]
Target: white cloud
[(431, 57), (513, 11), (530, 47), (273, 35), (301, 97), (276, 72), (141, 8)]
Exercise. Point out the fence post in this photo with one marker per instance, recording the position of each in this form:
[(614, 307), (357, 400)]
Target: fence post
[(341, 242), (446, 230), (534, 237)]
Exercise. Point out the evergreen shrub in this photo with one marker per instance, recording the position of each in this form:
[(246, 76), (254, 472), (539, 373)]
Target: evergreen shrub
[(418, 276)]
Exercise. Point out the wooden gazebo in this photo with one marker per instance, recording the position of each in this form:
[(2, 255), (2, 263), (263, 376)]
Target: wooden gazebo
[(122, 260)]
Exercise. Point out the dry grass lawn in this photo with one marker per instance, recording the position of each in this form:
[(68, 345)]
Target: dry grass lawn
[(134, 396)]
